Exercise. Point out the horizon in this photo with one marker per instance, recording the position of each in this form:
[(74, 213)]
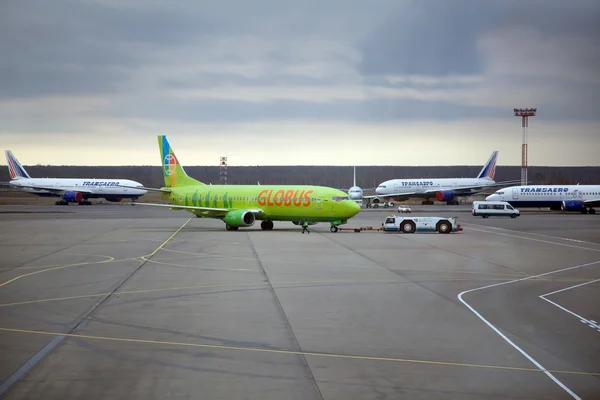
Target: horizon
[(305, 165), (305, 83)]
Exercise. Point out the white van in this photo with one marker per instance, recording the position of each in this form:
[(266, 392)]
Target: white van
[(499, 208)]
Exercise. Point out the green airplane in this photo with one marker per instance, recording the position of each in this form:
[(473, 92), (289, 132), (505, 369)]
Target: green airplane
[(241, 205)]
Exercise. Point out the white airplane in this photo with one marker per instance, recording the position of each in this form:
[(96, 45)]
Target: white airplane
[(355, 192), (446, 189), (70, 190), (580, 198)]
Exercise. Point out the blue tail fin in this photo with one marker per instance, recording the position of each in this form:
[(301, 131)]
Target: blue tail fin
[(489, 169), (15, 169)]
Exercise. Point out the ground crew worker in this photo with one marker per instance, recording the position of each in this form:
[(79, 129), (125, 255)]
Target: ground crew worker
[(305, 227)]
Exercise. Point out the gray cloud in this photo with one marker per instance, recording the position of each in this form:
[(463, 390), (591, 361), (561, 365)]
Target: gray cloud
[(141, 55), (428, 37)]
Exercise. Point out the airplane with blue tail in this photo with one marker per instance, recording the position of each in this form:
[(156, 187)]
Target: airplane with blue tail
[(70, 190), (445, 189), (578, 198)]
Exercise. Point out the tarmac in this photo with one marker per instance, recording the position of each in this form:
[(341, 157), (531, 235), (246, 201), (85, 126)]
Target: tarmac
[(121, 302)]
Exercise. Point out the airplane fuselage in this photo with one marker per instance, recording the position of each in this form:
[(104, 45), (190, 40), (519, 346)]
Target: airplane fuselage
[(90, 188), (556, 197), (276, 202), (427, 188)]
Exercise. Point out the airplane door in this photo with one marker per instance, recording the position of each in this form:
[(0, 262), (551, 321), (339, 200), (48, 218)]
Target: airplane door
[(319, 202), (515, 194)]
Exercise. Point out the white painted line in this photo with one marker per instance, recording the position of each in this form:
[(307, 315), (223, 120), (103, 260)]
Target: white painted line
[(520, 350), (532, 239), (533, 233), (590, 323), (585, 321), (570, 287)]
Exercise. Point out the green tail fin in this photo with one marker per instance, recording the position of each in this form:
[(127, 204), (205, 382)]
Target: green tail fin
[(173, 172)]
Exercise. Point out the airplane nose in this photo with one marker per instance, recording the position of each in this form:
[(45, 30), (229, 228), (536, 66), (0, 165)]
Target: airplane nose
[(353, 208), (378, 190)]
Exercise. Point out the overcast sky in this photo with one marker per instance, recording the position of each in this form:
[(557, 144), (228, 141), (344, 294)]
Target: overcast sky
[(278, 82)]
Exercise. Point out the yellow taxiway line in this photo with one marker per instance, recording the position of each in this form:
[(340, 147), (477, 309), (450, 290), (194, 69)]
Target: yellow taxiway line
[(292, 352)]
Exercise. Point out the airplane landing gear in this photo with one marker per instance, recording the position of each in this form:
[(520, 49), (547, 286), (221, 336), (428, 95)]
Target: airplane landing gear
[(85, 203), (333, 229), (427, 202), (452, 202), (231, 228), (61, 203), (266, 225), (592, 211)]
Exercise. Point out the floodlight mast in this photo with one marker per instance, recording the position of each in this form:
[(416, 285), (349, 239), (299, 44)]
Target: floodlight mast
[(524, 113), (223, 170)]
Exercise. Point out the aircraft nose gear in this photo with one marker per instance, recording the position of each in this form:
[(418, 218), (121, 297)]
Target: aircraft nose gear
[(333, 228)]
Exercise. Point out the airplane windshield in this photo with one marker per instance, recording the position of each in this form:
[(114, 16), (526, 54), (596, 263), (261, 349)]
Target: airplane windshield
[(340, 198)]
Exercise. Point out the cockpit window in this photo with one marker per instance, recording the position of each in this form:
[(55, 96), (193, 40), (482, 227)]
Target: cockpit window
[(340, 198), (499, 192), (382, 186)]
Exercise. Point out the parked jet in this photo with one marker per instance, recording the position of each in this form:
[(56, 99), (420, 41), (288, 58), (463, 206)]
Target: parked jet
[(356, 192), (580, 198), (241, 205), (447, 189), (71, 190)]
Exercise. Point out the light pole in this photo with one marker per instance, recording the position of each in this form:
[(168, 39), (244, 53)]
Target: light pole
[(223, 170), (524, 113)]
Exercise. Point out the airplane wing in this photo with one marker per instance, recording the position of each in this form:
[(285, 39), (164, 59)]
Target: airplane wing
[(145, 188), (51, 189), (403, 194), (176, 207), (592, 203), (363, 189)]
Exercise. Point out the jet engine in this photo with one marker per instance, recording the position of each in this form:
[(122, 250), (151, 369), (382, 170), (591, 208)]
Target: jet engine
[(445, 195), (572, 205), (73, 197), (239, 218)]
